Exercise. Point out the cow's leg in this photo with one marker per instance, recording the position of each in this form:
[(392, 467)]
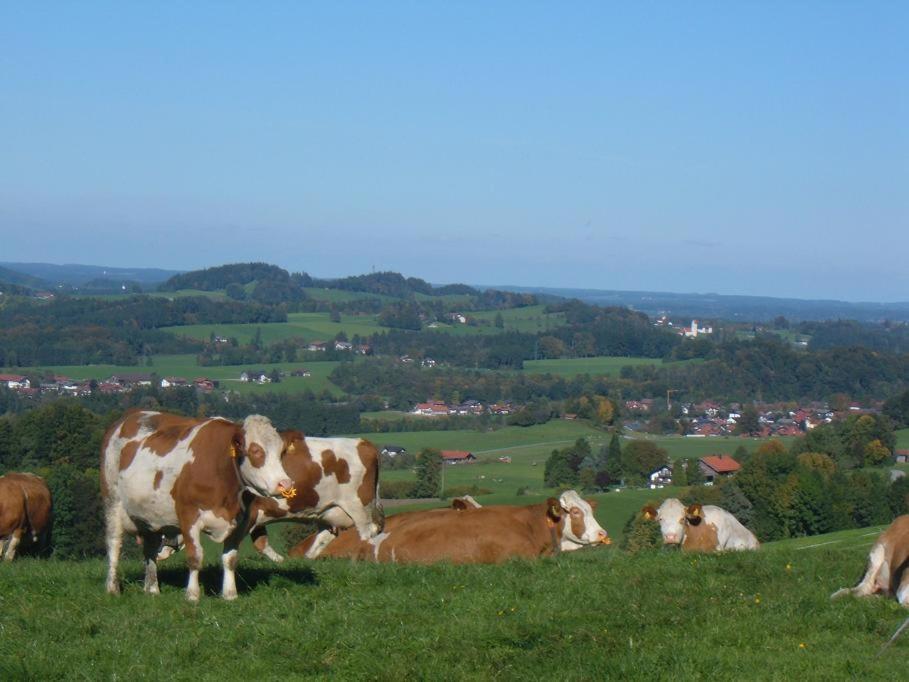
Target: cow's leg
[(260, 542), (323, 539), (367, 520), (194, 555), (229, 565), (13, 542), (868, 584), (114, 537), (150, 545)]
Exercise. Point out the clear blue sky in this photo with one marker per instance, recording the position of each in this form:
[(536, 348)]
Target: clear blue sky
[(730, 147)]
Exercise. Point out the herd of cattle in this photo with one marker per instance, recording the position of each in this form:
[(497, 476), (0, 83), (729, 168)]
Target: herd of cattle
[(168, 479)]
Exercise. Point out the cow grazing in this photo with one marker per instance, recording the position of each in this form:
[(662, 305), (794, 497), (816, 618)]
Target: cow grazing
[(700, 528), (337, 485), (166, 475), (25, 510), (888, 565), (484, 535)]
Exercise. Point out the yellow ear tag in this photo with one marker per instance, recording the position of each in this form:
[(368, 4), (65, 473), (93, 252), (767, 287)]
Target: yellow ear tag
[(291, 447), (233, 451), (289, 493)]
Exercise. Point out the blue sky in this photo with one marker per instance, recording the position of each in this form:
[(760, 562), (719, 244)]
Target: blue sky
[(740, 148)]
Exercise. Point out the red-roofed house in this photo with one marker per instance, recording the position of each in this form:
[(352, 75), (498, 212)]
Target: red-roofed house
[(457, 457), (14, 381), (714, 466)]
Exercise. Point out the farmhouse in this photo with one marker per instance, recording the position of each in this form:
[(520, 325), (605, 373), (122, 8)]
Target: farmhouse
[(717, 466), (300, 372), (14, 381), (431, 409), (172, 382), (343, 345), (458, 457), (259, 376), (316, 346), (660, 477), (901, 456), (393, 450), (131, 379)]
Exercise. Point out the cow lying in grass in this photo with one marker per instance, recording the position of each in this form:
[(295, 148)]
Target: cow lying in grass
[(25, 510), (888, 565), (485, 535), (698, 528)]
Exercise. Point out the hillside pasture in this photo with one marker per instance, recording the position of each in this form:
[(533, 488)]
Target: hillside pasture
[(307, 326), (186, 367), (610, 365), (592, 614)]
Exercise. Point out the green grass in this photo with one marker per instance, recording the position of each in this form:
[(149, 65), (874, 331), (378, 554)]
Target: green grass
[(308, 326), (682, 447), (592, 614), (342, 296), (902, 438), (185, 366), (605, 365)]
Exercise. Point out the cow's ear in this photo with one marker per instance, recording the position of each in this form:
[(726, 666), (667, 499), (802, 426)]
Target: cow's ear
[(592, 503), (649, 513), (554, 509), (695, 513)]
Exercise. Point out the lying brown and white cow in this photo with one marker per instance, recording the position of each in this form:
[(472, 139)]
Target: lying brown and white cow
[(700, 528), (888, 565), (484, 535), (349, 543), (164, 475), (337, 485), (25, 510)]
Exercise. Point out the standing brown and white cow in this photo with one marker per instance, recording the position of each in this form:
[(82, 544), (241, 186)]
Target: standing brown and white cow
[(700, 528), (25, 510), (484, 535), (166, 475), (336, 482), (888, 565)]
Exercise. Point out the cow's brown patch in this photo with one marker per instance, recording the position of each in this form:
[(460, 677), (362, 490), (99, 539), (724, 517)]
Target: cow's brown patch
[(331, 465), (13, 516), (700, 537), (170, 431), (211, 480), (129, 426), (158, 476), (577, 522), (305, 473), (369, 457), (127, 454)]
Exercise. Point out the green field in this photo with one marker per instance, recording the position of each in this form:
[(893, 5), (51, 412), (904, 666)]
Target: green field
[(682, 447), (587, 615), (902, 438), (607, 365), (185, 366), (308, 326)]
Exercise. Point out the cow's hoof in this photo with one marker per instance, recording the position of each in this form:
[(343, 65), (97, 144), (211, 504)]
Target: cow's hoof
[(229, 596), (192, 597)]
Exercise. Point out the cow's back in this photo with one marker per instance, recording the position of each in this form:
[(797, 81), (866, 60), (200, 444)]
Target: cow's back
[(731, 534)]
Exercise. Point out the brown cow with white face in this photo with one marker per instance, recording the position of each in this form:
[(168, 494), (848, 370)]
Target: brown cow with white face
[(700, 528), (484, 535), (336, 482), (25, 510), (166, 475), (888, 565)]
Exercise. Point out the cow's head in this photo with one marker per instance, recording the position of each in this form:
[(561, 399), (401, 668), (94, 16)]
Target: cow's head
[(580, 527), (674, 519), (259, 447)]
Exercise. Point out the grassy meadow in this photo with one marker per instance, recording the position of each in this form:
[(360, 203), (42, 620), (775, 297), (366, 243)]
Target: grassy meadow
[(185, 366), (593, 614), (605, 365), (308, 326)]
